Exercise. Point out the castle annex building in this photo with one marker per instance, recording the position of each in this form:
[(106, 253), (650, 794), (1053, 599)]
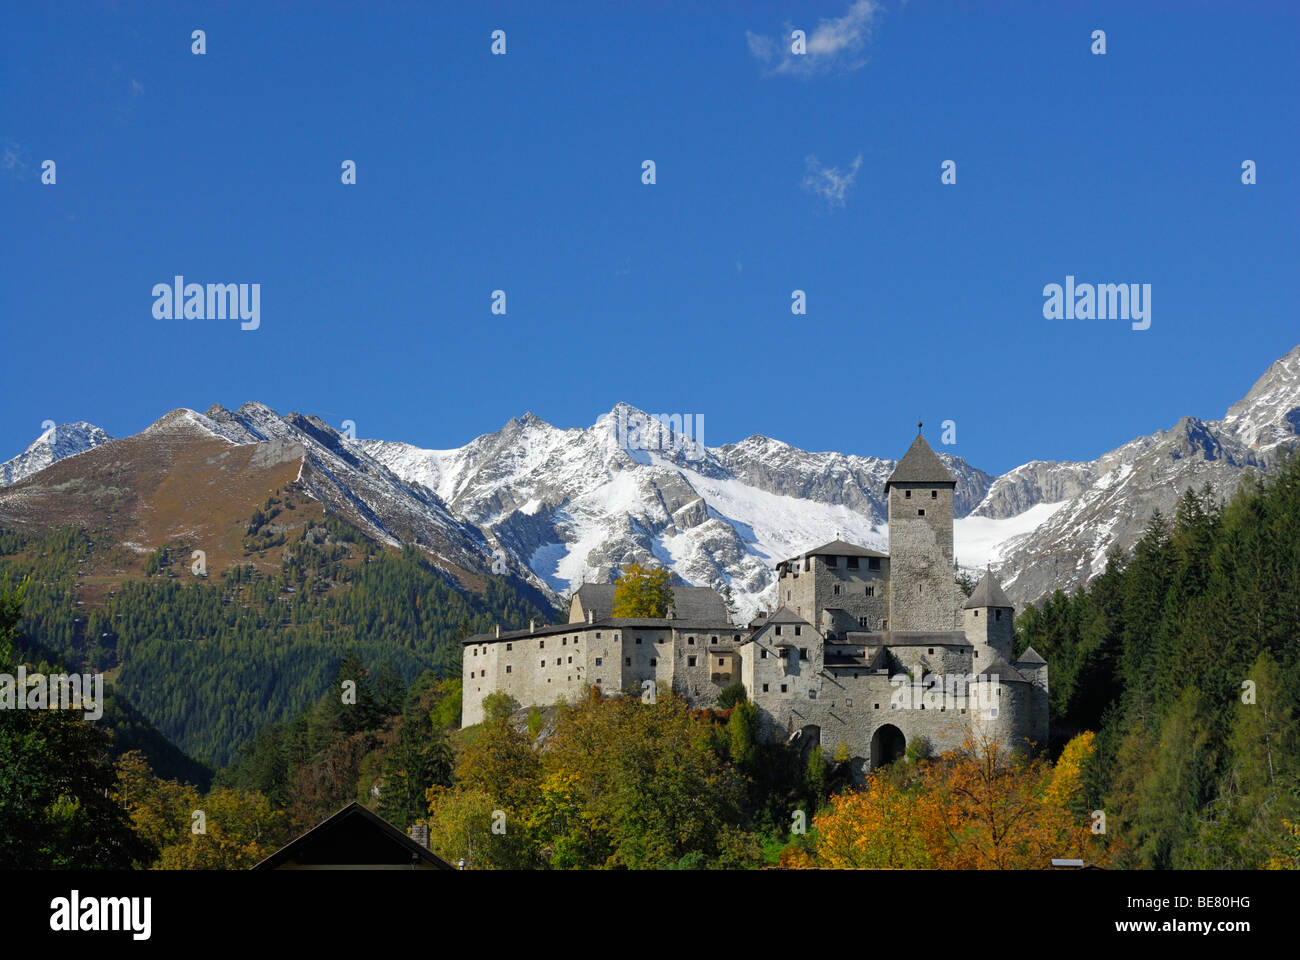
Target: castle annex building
[(866, 651)]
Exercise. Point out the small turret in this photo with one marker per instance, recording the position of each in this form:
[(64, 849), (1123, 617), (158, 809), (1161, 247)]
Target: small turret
[(988, 621)]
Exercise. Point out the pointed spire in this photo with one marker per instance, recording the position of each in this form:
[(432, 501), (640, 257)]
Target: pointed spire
[(988, 593), (920, 465)]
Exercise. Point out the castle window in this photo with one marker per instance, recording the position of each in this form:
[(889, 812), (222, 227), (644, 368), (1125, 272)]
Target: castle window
[(597, 636), (852, 563), (713, 639), (765, 688), (571, 658), (509, 647), (830, 562), (907, 494), (862, 621), (997, 614), (931, 649), (787, 594), (798, 630), (736, 637), (721, 662), (977, 613), (873, 563), (762, 654), (598, 661), (627, 661), (564, 641), (934, 494), (884, 624), (541, 644), (778, 630), (871, 592), (690, 661), (783, 688), (803, 653), (848, 702), (921, 512), (691, 641), (557, 661), (812, 694), (654, 662), (599, 681), (877, 706), (836, 590), (471, 674), (543, 663), (638, 639), (508, 669), (659, 640)]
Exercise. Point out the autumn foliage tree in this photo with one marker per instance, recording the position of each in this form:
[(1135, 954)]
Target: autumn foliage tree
[(642, 592), (978, 808)]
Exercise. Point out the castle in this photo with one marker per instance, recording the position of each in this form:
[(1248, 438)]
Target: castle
[(867, 652)]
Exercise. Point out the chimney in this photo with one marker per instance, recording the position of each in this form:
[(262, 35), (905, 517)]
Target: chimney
[(419, 832), (672, 612), (591, 616), (498, 631), (532, 626)]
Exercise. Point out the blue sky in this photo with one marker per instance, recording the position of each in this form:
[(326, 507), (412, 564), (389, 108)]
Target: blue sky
[(523, 173)]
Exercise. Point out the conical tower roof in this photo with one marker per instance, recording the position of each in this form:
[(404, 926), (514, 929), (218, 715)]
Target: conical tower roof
[(920, 465), (988, 593)]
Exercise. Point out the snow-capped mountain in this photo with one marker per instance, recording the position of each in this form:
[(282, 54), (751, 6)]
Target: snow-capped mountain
[(576, 505), (338, 472), (56, 443), (561, 507), (1091, 508)]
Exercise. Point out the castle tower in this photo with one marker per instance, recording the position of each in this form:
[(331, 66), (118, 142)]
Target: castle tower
[(922, 592), (987, 620)]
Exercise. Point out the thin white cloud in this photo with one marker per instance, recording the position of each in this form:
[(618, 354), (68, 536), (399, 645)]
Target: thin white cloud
[(136, 86), (12, 160), (833, 45), (830, 183)]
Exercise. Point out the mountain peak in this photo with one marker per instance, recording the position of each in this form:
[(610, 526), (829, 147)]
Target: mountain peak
[(1269, 415), (55, 443)]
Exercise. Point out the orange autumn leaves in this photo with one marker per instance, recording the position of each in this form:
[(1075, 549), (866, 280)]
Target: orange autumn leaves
[(978, 809)]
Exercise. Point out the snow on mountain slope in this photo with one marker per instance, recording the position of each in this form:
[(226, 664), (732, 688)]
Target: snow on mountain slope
[(573, 506), (576, 506), (339, 472), (1108, 502), (56, 443)]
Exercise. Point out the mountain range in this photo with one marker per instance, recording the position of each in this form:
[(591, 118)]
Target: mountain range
[(559, 507)]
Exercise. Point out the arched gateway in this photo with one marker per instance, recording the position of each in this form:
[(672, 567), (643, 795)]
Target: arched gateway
[(887, 745)]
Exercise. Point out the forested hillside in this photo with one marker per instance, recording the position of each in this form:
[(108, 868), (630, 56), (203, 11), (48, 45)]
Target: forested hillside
[(1185, 658), (210, 660)]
